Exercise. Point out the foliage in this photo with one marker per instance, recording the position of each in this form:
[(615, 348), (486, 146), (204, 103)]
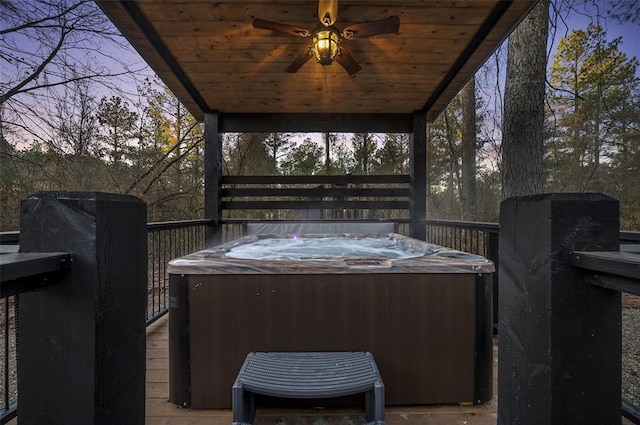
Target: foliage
[(445, 159), (277, 146), (591, 80), (167, 158), (594, 119), (119, 124), (106, 146), (304, 159), (74, 126), (338, 158), (591, 136), (393, 156), (364, 153), (625, 11), (246, 154)]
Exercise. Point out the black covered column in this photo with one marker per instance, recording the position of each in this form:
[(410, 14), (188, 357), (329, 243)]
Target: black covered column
[(81, 341), (559, 337), (418, 173), (212, 177)]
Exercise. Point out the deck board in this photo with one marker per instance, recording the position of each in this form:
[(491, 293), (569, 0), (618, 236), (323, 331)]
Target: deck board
[(160, 412)]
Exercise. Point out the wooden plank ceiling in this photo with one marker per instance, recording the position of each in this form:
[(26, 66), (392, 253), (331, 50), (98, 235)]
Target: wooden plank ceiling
[(213, 59)]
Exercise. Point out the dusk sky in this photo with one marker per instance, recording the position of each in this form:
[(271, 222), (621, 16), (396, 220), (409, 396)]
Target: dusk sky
[(586, 13)]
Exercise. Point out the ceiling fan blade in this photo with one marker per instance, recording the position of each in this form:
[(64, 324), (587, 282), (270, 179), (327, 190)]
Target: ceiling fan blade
[(367, 29), (300, 60), (327, 12), (282, 28), (347, 61)]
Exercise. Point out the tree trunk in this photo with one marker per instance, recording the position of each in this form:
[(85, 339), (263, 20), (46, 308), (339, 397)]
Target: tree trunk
[(327, 160), (468, 194), (523, 125), (454, 180)]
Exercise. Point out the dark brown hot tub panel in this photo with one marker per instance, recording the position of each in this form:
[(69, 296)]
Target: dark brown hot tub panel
[(430, 334), (427, 320)]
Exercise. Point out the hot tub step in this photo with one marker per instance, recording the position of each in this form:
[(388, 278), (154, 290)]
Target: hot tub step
[(308, 375)]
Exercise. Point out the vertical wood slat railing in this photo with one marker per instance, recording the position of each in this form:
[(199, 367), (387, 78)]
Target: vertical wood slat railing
[(318, 196)]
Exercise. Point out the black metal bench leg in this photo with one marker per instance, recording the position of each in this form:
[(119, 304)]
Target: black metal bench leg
[(374, 404), (244, 408)]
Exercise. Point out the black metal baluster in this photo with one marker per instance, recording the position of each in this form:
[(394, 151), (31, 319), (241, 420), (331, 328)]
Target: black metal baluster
[(6, 353)]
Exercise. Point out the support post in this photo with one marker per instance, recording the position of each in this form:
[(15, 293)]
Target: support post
[(81, 344), (179, 354), (483, 368), (418, 173), (560, 338), (492, 239), (212, 177)]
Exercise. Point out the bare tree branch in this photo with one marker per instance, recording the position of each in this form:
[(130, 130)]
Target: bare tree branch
[(36, 73), (160, 161), (169, 164), (38, 22), (46, 45)]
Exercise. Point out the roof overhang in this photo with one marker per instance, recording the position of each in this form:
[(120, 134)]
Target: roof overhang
[(211, 57)]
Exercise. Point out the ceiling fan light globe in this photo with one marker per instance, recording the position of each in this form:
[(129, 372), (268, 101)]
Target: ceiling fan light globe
[(325, 46)]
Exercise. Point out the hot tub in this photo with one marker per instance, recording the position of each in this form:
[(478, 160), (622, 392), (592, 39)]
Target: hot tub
[(423, 311)]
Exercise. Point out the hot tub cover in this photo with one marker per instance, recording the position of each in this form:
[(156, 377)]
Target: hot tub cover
[(408, 255)]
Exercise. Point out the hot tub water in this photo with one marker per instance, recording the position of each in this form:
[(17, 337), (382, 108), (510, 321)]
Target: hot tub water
[(326, 247)]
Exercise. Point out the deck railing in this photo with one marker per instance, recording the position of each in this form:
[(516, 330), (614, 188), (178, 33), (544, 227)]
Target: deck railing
[(8, 384), (474, 237), (619, 271), (8, 325), (20, 273), (168, 240), (482, 239), (318, 196)]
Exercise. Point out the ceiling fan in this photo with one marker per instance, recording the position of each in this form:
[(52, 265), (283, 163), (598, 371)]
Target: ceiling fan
[(327, 40)]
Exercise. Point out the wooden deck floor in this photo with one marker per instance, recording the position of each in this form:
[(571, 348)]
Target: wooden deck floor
[(160, 412)]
